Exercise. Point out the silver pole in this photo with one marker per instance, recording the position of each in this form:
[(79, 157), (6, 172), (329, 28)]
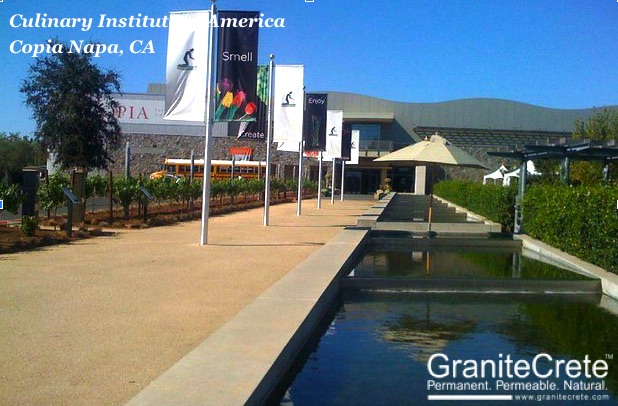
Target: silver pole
[(332, 186), (269, 129), (301, 146), (192, 172), (299, 197), (127, 160), (342, 178), (320, 180), (208, 135)]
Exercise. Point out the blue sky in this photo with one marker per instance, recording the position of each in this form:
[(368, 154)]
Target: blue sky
[(552, 53)]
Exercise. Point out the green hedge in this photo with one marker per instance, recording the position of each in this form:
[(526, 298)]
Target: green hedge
[(579, 220), (495, 202), (12, 196), (582, 221)]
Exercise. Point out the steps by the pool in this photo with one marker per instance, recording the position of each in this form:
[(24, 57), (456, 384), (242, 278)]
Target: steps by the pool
[(409, 212)]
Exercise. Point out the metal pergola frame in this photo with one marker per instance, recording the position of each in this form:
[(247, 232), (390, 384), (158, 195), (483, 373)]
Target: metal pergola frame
[(579, 151)]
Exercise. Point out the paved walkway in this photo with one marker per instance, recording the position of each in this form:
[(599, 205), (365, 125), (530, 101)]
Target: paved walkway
[(94, 322)]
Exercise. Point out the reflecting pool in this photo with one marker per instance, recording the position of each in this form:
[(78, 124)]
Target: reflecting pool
[(456, 262), (386, 347), (377, 348)]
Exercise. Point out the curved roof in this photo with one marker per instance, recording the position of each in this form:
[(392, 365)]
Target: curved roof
[(479, 113)]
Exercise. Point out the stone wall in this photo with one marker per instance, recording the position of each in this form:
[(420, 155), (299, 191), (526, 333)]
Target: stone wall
[(480, 153), (178, 146)]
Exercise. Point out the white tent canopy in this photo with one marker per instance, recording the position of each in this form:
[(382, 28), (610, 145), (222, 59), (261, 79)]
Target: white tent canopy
[(497, 174), (530, 169)]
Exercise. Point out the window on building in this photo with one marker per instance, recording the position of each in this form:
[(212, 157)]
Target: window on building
[(370, 135)]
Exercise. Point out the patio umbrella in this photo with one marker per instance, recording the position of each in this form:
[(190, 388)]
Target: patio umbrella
[(431, 152)]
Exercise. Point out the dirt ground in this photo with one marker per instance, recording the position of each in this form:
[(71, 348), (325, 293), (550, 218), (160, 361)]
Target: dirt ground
[(94, 321)]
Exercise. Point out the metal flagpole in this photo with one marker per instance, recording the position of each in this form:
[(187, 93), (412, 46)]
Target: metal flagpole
[(269, 129), (299, 197), (192, 170), (332, 187), (342, 178), (208, 122), (320, 180)]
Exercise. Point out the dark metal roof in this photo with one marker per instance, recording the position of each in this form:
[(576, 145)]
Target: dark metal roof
[(479, 137), (580, 151)]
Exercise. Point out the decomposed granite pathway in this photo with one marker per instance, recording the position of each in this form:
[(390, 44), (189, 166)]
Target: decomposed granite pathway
[(94, 322)]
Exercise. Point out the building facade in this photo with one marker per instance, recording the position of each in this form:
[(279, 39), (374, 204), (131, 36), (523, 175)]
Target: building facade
[(476, 125)]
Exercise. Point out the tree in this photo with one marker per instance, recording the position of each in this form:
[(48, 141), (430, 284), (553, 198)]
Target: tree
[(72, 104), (601, 126), (16, 152)]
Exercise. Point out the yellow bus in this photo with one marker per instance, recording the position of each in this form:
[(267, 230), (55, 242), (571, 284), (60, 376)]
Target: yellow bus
[(219, 169)]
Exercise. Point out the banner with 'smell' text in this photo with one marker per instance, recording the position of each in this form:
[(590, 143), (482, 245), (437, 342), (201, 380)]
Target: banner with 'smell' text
[(237, 56)]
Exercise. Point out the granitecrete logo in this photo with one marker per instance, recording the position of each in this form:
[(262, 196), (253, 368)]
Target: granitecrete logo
[(543, 377)]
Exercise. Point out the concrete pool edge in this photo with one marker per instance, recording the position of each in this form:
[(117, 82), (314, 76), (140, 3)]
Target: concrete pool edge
[(609, 280), (243, 361)]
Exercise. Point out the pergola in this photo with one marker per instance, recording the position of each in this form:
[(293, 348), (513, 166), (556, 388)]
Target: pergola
[(580, 151)]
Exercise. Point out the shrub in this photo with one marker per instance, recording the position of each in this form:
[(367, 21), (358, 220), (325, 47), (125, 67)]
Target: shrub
[(50, 194), (96, 185), (495, 202), (582, 221), (12, 196), (579, 220), (29, 225), (126, 191)]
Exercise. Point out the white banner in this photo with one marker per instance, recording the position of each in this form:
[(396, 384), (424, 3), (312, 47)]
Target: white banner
[(288, 103), (355, 148), (186, 66), (334, 126), (288, 146)]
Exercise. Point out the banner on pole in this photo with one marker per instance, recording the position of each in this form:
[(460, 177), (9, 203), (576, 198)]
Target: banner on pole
[(288, 100), (346, 142), (314, 121), (354, 147), (288, 146), (237, 56), (256, 130), (186, 66), (334, 133)]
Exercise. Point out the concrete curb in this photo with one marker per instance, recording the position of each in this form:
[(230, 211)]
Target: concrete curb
[(243, 361), (476, 286), (609, 280)]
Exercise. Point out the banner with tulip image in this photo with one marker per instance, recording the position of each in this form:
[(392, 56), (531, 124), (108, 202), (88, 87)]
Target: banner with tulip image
[(256, 130), (237, 55), (186, 65)]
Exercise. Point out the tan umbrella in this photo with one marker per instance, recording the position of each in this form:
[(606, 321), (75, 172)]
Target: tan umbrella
[(434, 151)]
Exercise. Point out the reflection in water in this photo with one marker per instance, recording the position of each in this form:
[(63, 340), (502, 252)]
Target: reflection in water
[(456, 264), (376, 348), (378, 345)]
